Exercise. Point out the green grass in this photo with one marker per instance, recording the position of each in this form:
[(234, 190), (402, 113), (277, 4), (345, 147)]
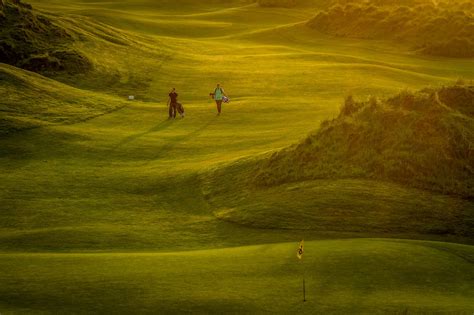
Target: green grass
[(342, 276), (348, 205), (131, 181), (30, 100)]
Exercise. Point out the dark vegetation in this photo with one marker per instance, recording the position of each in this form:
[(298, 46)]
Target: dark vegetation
[(277, 3), (32, 41), (423, 140), (295, 3), (443, 29)]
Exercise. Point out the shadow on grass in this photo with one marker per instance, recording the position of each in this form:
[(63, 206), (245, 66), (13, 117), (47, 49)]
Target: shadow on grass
[(179, 139), (172, 142), (161, 126)]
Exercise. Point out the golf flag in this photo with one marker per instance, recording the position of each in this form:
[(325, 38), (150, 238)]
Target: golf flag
[(300, 251)]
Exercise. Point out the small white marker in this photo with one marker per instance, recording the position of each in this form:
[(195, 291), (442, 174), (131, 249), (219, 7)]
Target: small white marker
[(131, 97)]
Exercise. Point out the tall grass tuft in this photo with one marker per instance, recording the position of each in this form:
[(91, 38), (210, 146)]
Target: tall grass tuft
[(421, 139), (277, 3), (442, 29), (32, 41)]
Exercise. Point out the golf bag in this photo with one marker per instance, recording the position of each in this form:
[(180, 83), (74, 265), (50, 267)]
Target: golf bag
[(180, 108)]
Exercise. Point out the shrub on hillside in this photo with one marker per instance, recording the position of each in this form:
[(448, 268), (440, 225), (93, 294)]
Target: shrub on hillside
[(277, 3), (31, 41), (423, 140), (445, 30), (456, 47)]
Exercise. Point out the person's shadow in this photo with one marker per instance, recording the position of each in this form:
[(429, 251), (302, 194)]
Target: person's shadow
[(161, 126), (183, 138)]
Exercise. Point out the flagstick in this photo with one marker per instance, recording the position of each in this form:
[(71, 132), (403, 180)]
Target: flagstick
[(304, 290), (300, 256), (304, 284)]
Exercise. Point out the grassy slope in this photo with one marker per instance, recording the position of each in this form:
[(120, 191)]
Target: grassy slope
[(343, 177), (30, 100), (124, 180), (141, 152), (348, 205), (342, 276)]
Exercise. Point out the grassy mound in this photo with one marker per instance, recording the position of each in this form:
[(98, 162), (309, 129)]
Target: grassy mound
[(29, 100), (422, 140), (402, 166), (444, 29), (364, 207), (32, 41)]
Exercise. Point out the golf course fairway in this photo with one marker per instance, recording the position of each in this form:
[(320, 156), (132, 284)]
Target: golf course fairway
[(107, 206)]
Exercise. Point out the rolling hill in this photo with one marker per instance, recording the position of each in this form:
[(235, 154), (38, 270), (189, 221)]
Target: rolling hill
[(30, 101), (53, 65), (440, 29), (355, 173), (108, 206), (420, 139)]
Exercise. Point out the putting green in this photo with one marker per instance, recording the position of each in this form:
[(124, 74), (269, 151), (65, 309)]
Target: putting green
[(342, 276)]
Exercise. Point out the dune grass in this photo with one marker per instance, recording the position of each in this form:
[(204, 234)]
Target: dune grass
[(32, 41), (435, 28), (132, 181), (418, 139)]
